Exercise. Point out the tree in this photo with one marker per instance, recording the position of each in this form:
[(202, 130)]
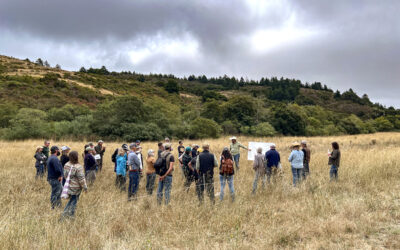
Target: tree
[(39, 61), (287, 121), (82, 70), (46, 64), (382, 124), (263, 129), (241, 109), (28, 123), (172, 86), (58, 66), (204, 128)]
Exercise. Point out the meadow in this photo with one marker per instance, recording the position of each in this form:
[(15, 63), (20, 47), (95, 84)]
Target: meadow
[(361, 210)]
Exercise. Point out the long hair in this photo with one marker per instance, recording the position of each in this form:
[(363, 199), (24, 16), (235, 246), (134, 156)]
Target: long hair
[(73, 157), (226, 153), (335, 145)]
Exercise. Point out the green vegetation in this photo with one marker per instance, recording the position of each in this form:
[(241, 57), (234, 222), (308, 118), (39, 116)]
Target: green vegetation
[(39, 101)]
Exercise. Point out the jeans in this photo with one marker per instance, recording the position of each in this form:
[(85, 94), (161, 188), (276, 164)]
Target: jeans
[(223, 179), (306, 171), (271, 171), (120, 182), (236, 158), (150, 180), (259, 175), (56, 189), (165, 184), (297, 172), (69, 210), (205, 181), (39, 171), (333, 173), (133, 183)]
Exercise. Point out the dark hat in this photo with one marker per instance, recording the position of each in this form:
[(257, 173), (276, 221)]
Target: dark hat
[(54, 149), (125, 147), (137, 141)]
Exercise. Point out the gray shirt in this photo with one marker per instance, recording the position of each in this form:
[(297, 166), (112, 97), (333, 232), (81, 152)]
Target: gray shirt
[(133, 161)]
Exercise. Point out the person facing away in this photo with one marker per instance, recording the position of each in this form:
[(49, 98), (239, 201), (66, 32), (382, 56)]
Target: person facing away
[(160, 149), (334, 161), (39, 164), (205, 164), (64, 158), (273, 160), (55, 176), (296, 160), (195, 147), (226, 172), (259, 168), (150, 172), (90, 165), (185, 160), (77, 183), (121, 169), (306, 161), (165, 181), (235, 150), (134, 172), (46, 151), (100, 149)]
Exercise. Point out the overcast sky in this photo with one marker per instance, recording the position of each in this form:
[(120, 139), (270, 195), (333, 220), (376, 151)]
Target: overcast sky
[(342, 43)]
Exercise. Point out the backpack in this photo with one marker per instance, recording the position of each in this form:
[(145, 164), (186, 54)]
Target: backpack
[(161, 165), (226, 166), (114, 156)]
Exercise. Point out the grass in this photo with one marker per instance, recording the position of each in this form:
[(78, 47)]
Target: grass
[(361, 210)]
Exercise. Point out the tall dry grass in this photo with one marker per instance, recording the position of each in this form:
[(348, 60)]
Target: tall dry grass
[(361, 210)]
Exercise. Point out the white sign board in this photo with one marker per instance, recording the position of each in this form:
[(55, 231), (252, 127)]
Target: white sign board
[(254, 146)]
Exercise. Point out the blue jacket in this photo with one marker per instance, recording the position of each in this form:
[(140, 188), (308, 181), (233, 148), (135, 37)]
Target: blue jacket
[(121, 165), (54, 168), (296, 158), (273, 158), (90, 162)]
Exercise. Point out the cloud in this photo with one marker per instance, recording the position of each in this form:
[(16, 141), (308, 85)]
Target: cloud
[(342, 43)]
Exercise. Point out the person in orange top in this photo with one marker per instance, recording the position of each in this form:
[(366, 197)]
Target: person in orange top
[(151, 172)]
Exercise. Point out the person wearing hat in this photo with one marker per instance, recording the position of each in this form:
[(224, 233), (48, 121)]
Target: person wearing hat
[(115, 154), (150, 172), (55, 176), (90, 165), (100, 150), (165, 181), (185, 160), (40, 161), (134, 172), (306, 162), (296, 159), (160, 149), (205, 164), (273, 160), (259, 168), (235, 150)]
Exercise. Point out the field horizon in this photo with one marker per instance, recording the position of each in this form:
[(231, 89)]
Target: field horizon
[(361, 210)]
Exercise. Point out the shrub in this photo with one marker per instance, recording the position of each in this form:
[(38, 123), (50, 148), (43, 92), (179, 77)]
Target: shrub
[(28, 123), (145, 131), (172, 86), (229, 127), (382, 124), (204, 128), (263, 129)]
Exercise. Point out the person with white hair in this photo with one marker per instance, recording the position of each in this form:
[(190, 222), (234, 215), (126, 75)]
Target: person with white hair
[(235, 150), (258, 166), (306, 161), (205, 164), (150, 171), (273, 161)]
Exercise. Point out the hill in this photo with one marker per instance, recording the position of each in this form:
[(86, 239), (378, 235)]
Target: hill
[(41, 101)]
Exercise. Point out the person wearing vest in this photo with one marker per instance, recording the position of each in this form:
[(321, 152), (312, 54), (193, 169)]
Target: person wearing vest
[(134, 172), (205, 164), (235, 150), (334, 161), (165, 181), (226, 172), (306, 161), (259, 168)]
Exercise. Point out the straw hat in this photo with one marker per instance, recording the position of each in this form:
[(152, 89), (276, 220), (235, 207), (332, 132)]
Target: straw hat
[(295, 144)]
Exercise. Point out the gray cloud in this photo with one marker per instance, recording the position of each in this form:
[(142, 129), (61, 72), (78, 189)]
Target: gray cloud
[(342, 44)]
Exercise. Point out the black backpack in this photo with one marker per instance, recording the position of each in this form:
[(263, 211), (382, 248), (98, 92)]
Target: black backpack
[(161, 165), (114, 156)]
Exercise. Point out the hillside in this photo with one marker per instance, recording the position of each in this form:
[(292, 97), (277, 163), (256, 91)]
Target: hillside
[(37, 101)]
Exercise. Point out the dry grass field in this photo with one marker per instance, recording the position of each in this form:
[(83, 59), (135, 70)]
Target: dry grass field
[(361, 210)]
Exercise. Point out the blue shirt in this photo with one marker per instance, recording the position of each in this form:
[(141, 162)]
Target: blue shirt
[(121, 165), (273, 158), (133, 161), (54, 168), (296, 158)]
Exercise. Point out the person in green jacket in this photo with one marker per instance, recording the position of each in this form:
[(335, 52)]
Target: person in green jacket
[(46, 151), (235, 150)]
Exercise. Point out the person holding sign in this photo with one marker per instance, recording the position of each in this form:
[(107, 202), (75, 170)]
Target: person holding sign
[(235, 150)]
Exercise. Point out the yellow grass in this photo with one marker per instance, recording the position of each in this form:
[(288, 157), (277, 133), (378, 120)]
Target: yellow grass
[(361, 211)]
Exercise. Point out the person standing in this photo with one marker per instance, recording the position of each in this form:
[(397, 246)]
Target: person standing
[(150, 172), (187, 169), (195, 147), (181, 149), (296, 159), (55, 176), (134, 172), (165, 181), (46, 151), (259, 168), (226, 172), (40, 161), (64, 155), (77, 183), (306, 162), (100, 150), (334, 161), (273, 160), (205, 164), (235, 150), (115, 154), (160, 149), (90, 165), (121, 169)]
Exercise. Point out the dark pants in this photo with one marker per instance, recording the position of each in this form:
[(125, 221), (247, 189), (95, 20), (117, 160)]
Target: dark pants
[(205, 181), (296, 175), (306, 171), (56, 189), (120, 182), (333, 173), (69, 210), (39, 171), (189, 178), (150, 180), (236, 158), (271, 171), (100, 163), (133, 183)]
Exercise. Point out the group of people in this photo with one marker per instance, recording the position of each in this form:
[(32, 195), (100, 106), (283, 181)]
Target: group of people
[(197, 163)]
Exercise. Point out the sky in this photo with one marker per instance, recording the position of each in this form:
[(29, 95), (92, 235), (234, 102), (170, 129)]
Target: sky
[(343, 43)]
